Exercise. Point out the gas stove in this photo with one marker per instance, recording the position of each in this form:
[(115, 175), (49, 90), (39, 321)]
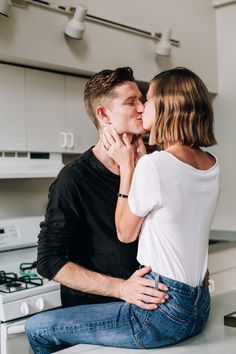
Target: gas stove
[(11, 282), (23, 292)]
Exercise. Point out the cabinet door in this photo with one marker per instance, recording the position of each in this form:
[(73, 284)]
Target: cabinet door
[(45, 110), (12, 103), (81, 132)]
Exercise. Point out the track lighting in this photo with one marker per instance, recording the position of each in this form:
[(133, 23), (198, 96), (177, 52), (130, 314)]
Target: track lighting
[(76, 26), (163, 47), (5, 6)]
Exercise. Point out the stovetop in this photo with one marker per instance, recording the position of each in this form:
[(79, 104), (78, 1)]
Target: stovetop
[(25, 283), (11, 282), (23, 291)]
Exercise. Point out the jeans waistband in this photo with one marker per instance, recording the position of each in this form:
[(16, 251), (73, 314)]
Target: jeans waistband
[(178, 286)]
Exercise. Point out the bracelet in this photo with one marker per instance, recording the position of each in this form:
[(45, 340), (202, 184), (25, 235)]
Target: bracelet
[(120, 195)]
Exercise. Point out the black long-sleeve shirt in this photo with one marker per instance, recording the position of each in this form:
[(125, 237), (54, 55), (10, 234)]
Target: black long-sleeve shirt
[(79, 226)]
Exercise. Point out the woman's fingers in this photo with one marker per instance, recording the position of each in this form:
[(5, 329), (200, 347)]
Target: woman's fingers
[(105, 142), (126, 140), (115, 135), (108, 135)]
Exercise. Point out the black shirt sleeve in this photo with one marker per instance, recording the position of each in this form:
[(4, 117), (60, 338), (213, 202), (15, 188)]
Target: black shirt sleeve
[(62, 220)]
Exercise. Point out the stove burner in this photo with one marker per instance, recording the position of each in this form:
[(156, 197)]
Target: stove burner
[(7, 277), (28, 269), (14, 286), (13, 283), (10, 282)]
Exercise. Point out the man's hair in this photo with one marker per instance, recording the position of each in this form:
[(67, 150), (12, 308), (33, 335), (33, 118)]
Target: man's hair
[(183, 109), (101, 85)]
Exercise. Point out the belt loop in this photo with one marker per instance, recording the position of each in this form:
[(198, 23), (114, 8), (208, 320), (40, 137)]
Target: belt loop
[(199, 290), (157, 278)]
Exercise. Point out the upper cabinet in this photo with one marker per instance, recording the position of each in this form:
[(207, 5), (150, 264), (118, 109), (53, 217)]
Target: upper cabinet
[(43, 111), (12, 117), (80, 133)]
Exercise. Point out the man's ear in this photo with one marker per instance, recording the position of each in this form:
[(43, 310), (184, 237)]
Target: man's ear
[(102, 116)]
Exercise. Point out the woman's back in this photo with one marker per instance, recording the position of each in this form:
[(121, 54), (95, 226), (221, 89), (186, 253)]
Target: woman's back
[(194, 157), (179, 201)]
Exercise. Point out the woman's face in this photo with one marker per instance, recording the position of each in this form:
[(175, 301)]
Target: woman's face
[(149, 114)]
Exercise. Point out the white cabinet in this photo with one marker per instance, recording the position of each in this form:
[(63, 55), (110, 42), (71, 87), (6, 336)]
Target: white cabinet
[(80, 133), (12, 116), (222, 267), (45, 110)]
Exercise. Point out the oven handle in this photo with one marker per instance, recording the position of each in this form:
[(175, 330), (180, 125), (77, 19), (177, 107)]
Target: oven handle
[(16, 329)]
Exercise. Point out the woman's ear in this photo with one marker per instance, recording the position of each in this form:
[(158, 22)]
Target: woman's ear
[(102, 116)]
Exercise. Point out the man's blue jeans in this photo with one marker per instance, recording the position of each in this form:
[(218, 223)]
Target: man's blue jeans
[(124, 325)]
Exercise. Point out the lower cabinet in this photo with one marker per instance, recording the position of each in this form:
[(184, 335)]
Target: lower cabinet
[(222, 268)]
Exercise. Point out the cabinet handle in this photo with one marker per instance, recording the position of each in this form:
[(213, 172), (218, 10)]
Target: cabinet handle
[(64, 144), (71, 137)]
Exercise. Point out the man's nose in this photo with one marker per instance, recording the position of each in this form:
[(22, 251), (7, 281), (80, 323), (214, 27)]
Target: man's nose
[(140, 107)]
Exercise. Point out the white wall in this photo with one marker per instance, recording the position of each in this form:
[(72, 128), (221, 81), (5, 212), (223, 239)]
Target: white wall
[(225, 115), (35, 35), (23, 197)]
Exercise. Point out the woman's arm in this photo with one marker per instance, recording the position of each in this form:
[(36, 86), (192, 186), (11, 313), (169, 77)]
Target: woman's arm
[(125, 155), (127, 224)]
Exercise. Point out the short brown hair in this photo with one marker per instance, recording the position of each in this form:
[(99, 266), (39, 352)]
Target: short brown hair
[(101, 85), (183, 109)]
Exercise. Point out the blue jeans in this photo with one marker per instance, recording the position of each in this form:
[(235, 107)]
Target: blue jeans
[(119, 324)]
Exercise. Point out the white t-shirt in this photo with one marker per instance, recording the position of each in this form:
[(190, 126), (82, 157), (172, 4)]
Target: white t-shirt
[(178, 202)]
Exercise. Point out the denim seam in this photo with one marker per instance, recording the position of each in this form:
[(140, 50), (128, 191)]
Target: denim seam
[(172, 317), (143, 329), (181, 309)]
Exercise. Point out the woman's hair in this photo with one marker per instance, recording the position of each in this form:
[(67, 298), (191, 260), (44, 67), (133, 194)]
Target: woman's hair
[(101, 86), (183, 109)]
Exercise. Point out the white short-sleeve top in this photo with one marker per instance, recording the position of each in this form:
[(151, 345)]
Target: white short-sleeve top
[(178, 202)]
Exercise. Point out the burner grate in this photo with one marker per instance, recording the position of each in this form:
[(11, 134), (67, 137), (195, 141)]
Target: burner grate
[(7, 277), (10, 282)]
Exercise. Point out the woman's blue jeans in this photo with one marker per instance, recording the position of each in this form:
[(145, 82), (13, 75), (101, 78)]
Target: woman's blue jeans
[(119, 324)]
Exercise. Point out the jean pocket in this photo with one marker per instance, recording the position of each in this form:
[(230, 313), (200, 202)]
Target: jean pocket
[(174, 313), (161, 329)]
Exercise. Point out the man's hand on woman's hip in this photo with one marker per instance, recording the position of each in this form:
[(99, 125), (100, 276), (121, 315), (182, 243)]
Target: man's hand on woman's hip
[(141, 291)]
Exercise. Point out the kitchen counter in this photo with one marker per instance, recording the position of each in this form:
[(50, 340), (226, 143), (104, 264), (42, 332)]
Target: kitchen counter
[(216, 338)]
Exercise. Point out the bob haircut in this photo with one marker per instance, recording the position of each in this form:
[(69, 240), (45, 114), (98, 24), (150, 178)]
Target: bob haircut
[(183, 109)]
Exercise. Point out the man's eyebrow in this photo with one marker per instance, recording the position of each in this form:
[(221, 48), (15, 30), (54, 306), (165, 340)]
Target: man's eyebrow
[(134, 97)]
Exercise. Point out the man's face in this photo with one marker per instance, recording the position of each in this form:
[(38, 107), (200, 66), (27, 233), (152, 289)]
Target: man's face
[(125, 109)]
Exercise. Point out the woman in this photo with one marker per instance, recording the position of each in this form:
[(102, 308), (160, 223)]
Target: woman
[(171, 198), (176, 191)]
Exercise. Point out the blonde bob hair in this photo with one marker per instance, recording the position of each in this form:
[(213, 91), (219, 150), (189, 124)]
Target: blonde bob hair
[(183, 109)]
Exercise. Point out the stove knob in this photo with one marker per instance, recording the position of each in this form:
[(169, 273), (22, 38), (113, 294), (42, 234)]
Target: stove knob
[(39, 304), (24, 309)]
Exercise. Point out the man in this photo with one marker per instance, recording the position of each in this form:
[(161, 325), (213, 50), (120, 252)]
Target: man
[(78, 246)]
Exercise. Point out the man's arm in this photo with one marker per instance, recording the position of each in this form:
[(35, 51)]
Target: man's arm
[(135, 290)]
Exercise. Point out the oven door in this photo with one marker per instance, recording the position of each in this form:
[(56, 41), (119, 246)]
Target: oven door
[(13, 338)]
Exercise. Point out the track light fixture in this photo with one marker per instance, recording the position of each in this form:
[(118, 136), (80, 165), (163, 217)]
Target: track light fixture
[(5, 6), (163, 47), (76, 26)]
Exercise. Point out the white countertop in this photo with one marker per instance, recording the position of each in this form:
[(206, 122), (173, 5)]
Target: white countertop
[(216, 338)]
